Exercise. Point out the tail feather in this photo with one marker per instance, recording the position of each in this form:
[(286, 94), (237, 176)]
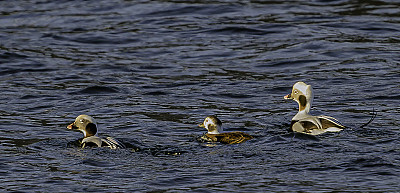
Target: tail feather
[(374, 113)]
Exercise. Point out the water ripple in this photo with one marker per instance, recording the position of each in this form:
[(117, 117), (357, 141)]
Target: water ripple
[(149, 72)]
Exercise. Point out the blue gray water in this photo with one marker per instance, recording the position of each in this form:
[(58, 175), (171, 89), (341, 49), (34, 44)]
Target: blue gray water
[(150, 71)]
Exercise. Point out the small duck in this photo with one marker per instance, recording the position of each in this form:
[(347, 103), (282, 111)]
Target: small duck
[(215, 132), (87, 125), (303, 122)]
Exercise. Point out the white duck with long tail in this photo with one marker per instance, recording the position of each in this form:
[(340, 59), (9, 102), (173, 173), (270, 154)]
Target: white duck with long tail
[(303, 122)]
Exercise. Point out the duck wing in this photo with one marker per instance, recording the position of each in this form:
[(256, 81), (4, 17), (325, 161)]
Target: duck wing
[(233, 137), (315, 125), (92, 141), (331, 124), (207, 138), (112, 143)]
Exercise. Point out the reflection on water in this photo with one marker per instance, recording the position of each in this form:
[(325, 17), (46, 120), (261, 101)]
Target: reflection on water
[(150, 71)]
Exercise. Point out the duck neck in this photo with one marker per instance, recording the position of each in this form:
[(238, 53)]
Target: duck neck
[(303, 111), (301, 115), (304, 102), (84, 133)]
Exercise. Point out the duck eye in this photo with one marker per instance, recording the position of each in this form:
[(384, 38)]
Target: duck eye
[(81, 120), (296, 91)]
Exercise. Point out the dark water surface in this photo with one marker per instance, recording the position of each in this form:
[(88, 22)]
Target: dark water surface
[(150, 71)]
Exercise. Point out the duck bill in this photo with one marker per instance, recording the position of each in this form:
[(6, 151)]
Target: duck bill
[(289, 96), (71, 126), (202, 125)]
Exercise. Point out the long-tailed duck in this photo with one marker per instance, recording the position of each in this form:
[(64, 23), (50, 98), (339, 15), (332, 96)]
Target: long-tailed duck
[(303, 122), (215, 132), (87, 125)]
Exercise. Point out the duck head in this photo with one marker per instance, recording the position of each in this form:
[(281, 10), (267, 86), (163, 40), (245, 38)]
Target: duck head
[(86, 124), (302, 94), (212, 124)]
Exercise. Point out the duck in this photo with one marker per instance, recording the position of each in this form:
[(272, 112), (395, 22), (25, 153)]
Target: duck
[(88, 126), (215, 132), (303, 121)]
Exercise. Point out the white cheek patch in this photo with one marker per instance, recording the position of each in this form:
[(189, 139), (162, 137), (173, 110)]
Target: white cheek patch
[(91, 120), (301, 87)]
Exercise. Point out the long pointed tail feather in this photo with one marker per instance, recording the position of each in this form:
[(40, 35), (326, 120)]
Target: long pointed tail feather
[(374, 113)]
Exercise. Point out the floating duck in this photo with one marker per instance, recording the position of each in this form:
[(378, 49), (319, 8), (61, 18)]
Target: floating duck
[(303, 122), (215, 132), (87, 125)]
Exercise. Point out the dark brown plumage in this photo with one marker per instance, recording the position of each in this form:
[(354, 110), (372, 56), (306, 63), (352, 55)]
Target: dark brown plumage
[(214, 134), (228, 138)]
